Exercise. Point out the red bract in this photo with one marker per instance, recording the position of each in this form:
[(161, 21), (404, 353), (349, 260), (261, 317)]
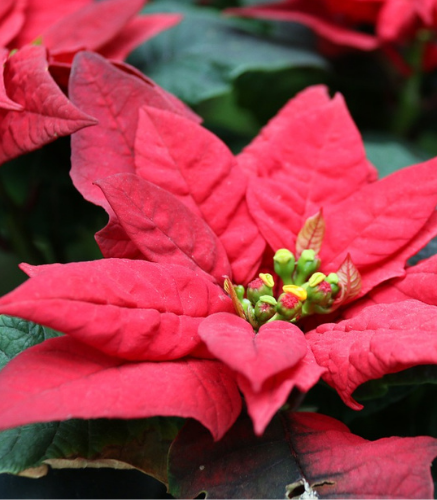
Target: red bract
[(77, 379), (110, 26), (180, 200), (33, 110)]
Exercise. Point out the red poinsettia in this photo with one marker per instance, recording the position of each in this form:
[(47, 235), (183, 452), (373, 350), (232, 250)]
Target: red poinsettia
[(33, 109), (359, 24), (150, 329)]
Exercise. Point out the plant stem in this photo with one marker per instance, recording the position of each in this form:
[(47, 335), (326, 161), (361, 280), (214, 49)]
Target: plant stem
[(410, 99)]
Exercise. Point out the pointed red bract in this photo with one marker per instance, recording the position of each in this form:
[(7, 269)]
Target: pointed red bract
[(46, 114), (90, 27), (62, 379), (419, 283), (386, 215), (137, 31), (40, 14), (381, 339), (162, 228), (263, 404), (269, 364), (190, 162), (276, 347), (131, 309), (392, 266), (113, 97), (324, 164)]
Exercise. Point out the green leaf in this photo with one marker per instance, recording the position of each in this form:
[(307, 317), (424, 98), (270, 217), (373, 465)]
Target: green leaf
[(417, 375), (375, 395), (16, 335), (389, 154), (142, 444), (201, 57)]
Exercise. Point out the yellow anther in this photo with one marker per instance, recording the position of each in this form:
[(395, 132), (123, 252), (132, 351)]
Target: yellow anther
[(295, 290), (316, 279), (267, 279)]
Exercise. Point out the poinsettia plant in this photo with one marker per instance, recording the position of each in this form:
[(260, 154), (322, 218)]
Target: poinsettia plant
[(232, 284), (248, 305)]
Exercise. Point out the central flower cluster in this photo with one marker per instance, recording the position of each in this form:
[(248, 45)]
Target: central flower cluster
[(305, 291)]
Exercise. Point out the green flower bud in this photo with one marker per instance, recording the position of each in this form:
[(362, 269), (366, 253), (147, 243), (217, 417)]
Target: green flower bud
[(321, 294), (333, 280), (239, 292), (259, 287), (265, 308), (246, 304), (307, 264), (284, 262)]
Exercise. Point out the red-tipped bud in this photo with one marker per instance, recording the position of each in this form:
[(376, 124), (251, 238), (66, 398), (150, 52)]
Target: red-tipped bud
[(259, 287), (289, 306)]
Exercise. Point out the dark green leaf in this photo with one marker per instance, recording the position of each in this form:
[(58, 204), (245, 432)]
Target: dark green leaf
[(375, 395), (202, 56), (17, 334), (141, 444)]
